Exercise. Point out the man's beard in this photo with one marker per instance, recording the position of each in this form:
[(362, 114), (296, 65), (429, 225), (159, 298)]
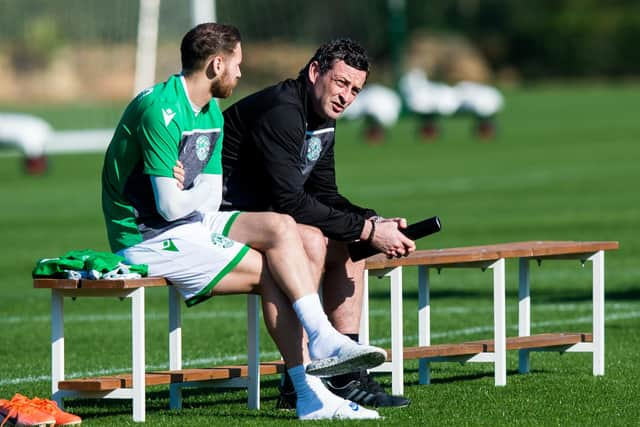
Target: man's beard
[(222, 87)]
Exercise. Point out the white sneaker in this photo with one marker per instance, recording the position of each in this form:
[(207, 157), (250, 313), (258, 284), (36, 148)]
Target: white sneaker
[(350, 357), (347, 411)]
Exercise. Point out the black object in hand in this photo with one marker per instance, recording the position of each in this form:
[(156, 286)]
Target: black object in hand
[(362, 249)]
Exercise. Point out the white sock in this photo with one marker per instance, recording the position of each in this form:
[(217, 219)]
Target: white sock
[(316, 402), (324, 340)]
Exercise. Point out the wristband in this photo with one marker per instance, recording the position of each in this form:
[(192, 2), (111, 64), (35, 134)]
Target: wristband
[(373, 230)]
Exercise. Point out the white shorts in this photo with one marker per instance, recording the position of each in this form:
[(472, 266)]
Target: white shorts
[(193, 257)]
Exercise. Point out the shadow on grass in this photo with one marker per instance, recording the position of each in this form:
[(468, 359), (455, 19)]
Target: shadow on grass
[(631, 293), (457, 293), (542, 296), (217, 402), (468, 377)]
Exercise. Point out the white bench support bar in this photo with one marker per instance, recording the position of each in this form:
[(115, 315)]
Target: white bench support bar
[(424, 322), (137, 391), (253, 346), (397, 348), (598, 313), (138, 354), (363, 333), (499, 322), (57, 344), (397, 335), (252, 383), (524, 312), (175, 345)]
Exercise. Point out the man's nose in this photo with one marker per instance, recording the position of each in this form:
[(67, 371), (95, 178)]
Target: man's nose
[(347, 97)]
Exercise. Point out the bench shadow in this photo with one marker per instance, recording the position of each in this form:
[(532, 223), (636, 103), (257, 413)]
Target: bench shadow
[(468, 377), (631, 293), (434, 294), (157, 401)]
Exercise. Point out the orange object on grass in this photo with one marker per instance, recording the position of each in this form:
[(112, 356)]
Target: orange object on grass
[(23, 413)]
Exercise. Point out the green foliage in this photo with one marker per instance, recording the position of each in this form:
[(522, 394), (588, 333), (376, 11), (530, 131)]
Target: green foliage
[(38, 45), (542, 38), (563, 166)]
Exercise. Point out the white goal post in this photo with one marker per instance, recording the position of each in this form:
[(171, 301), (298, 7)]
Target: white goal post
[(97, 140)]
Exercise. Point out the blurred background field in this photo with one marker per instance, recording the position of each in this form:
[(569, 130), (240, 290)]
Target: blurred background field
[(562, 166), (558, 169)]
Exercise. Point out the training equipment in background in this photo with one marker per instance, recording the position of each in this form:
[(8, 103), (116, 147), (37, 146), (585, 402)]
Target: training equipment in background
[(379, 106), (362, 249), (28, 134), (431, 100)]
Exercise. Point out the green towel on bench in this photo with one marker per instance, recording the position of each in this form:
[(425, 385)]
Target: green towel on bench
[(89, 264)]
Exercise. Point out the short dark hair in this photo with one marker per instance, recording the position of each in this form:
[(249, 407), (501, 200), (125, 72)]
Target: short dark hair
[(347, 50), (205, 40)]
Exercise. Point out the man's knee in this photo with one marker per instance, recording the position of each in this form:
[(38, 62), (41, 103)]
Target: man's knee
[(278, 226)]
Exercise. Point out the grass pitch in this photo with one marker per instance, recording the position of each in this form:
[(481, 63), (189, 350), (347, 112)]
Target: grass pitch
[(564, 166)]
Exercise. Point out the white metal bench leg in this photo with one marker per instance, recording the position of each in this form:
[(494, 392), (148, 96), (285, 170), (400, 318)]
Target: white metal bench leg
[(500, 331), (524, 312), (175, 345), (138, 354), (253, 345), (424, 322), (397, 355), (57, 344), (598, 313), (363, 334)]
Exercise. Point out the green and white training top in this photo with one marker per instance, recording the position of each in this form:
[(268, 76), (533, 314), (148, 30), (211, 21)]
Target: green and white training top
[(159, 126)]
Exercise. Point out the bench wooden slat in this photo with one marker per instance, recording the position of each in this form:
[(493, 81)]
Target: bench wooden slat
[(91, 384), (56, 283), (513, 343), (540, 341), (440, 350), (113, 382), (476, 254), (143, 282)]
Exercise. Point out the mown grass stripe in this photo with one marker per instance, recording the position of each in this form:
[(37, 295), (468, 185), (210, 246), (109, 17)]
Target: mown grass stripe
[(271, 355)]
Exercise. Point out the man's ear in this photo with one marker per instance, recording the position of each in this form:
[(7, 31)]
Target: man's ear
[(215, 66), (314, 71)]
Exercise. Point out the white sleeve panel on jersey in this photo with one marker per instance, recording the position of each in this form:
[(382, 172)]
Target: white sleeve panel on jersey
[(212, 203), (173, 203)]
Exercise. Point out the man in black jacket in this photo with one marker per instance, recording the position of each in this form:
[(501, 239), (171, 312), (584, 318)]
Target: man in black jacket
[(278, 155)]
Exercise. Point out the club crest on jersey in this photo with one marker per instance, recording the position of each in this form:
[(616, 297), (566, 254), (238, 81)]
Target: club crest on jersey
[(202, 147), (314, 149), (221, 241)]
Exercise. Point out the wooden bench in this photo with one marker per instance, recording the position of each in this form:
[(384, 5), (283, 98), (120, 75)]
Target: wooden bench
[(494, 351), (132, 386)]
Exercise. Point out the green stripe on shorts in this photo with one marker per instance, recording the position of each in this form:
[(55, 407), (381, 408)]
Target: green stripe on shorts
[(227, 226), (205, 293)]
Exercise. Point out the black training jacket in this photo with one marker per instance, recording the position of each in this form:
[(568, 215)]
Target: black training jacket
[(278, 155)]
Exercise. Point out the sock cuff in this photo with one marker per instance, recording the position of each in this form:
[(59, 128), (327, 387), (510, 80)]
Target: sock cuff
[(296, 371), (306, 302)]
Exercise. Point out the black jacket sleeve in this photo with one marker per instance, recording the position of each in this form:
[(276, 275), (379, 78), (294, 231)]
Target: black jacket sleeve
[(279, 137)]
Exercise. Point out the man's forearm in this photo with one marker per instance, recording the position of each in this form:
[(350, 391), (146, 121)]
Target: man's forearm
[(173, 203)]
